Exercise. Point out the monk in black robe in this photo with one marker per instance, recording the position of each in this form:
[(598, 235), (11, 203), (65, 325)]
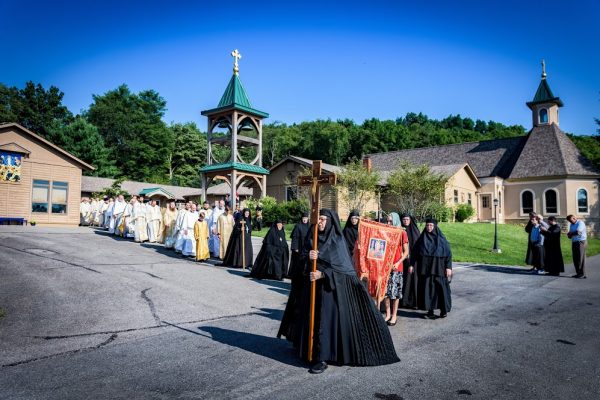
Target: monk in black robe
[(433, 258), (298, 240), (236, 255), (274, 256), (351, 231), (554, 263), (348, 327), (410, 277)]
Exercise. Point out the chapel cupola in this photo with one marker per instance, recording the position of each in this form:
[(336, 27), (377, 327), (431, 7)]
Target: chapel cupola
[(544, 106)]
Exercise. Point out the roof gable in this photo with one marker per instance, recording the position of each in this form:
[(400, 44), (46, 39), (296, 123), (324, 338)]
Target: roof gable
[(307, 163), (82, 164), (544, 95), (15, 148), (235, 97)]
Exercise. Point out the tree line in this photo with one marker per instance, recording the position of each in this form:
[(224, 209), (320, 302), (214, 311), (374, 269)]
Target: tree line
[(123, 134)]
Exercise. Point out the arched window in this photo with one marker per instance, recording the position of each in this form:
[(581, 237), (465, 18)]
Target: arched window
[(543, 116), (550, 201), (582, 201), (526, 202)]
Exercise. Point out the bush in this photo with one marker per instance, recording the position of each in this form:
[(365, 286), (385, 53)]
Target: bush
[(288, 211), (464, 212), (440, 212)]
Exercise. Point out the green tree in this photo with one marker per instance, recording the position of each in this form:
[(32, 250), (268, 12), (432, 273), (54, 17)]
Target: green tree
[(34, 107), (83, 140), (187, 156), (358, 184), (416, 189), (131, 125)]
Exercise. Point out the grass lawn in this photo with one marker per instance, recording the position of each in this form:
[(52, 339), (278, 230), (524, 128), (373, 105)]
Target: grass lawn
[(473, 242)]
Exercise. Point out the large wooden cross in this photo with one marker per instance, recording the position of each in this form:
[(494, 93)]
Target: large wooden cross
[(314, 181)]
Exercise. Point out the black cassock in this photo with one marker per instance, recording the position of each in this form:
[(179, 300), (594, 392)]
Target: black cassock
[(411, 281), (233, 254), (554, 263), (273, 259), (298, 240), (350, 232), (432, 257), (348, 327)]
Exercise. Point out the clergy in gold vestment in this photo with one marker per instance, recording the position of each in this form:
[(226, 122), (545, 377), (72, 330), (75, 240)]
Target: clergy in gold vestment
[(225, 225), (168, 225), (201, 235)]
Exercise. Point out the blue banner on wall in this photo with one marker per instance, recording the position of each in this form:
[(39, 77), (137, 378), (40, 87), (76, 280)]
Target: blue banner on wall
[(10, 167)]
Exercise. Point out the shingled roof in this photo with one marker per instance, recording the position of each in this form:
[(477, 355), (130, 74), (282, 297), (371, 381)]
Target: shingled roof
[(486, 158), (544, 152), (549, 152)]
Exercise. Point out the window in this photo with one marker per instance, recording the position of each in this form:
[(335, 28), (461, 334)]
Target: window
[(39, 196), (582, 201), (485, 201), (290, 193), (550, 202), (59, 197), (543, 116), (455, 196), (469, 199), (526, 202)]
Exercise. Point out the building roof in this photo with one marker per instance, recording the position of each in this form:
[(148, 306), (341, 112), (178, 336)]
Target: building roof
[(544, 95), (486, 158), (308, 163), (93, 184), (545, 151), (254, 169), (446, 170), (82, 164), (156, 190), (235, 97), (549, 152)]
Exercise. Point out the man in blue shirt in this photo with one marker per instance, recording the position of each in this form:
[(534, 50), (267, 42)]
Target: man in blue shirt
[(578, 235)]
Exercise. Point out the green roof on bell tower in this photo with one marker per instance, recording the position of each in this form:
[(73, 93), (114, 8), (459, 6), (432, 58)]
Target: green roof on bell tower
[(235, 96), (544, 93)]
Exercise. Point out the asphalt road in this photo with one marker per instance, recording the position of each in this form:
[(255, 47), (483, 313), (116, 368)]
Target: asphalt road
[(90, 316)]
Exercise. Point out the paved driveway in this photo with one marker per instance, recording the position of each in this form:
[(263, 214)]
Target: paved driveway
[(90, 316)]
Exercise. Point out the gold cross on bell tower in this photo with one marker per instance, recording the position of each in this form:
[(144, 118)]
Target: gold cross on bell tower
[(236, 56)]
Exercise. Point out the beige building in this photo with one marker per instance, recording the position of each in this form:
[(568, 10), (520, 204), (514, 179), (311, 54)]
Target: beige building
[(39, 182), (542, 171)]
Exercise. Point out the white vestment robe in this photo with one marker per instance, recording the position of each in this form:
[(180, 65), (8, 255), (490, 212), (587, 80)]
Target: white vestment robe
[(178, 230), (139, 217), (154, 216), (189, 240), (118, 210), (108, 219), (85, 213), (214, 243)]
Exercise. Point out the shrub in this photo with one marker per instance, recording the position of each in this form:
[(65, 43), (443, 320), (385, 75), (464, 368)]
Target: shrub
[(440, 212), (464, 212), (288, 211)]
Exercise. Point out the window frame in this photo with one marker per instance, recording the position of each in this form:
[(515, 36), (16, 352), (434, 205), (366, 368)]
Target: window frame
[(521, 211), (587, 194), (47, 186), (66, 204), (545, 110), (545, 206)]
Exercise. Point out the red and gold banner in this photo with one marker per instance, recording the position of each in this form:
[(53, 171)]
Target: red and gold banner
[(374, 255)]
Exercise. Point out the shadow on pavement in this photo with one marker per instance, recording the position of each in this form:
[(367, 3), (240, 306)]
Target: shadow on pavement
[(503, 270), (270, 347), (404, 313), (281, 285)]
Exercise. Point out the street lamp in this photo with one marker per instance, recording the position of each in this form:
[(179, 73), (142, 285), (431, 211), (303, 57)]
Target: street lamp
[(496, 249)]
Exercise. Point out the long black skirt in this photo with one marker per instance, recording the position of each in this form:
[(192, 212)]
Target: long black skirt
[(349, 330), (434, 293), (409, 287)]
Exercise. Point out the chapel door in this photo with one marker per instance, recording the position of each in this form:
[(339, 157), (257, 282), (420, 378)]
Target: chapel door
[(486, 213)]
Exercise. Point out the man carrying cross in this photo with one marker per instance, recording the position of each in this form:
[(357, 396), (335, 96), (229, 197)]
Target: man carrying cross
[(330, 317)]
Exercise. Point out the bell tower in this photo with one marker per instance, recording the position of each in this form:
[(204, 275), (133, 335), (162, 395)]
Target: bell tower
[(544, 106), (234, 134)]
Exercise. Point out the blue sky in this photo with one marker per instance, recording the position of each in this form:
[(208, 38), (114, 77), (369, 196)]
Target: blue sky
[(305, 60)]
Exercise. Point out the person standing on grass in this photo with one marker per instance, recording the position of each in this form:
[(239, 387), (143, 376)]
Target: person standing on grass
[(554, 264), (578, 235)]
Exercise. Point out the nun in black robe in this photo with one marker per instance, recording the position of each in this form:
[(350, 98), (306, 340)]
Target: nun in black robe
[(298, 240), (433, 258), (410, 284), (274, 256), (351, 232), (348, 327), (233, 254), (554, 263)]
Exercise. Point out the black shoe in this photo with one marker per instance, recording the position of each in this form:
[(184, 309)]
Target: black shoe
[(390, 323), (582, 277), (443, 315), (577, 276), (429, 315), (318, 368)]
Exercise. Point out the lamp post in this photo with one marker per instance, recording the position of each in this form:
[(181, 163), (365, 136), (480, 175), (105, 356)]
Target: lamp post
[(496, 249)]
